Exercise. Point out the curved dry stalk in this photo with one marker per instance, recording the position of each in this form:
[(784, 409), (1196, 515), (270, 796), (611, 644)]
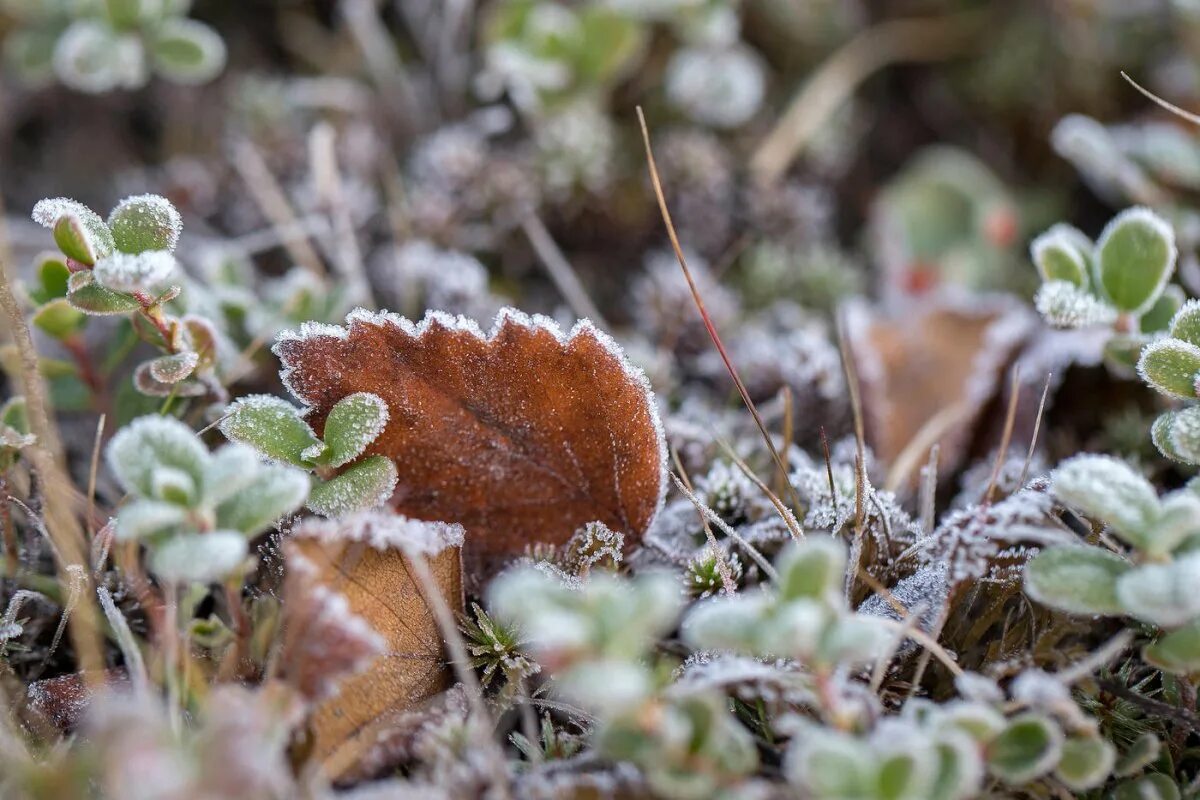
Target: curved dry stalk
[(891, 42)]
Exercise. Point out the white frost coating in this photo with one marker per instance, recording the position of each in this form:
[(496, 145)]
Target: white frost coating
[(1065, 305), (384, 530), (1160, 227), (154, 214), (128, 272), (721, 87), (47, 212), (506, 316)]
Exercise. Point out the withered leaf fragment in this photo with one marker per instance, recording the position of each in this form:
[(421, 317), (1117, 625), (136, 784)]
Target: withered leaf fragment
[(522, 436), (365, 559)]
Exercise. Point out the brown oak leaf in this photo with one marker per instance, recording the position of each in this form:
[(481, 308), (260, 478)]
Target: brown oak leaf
[(365, 558), (522, 436)]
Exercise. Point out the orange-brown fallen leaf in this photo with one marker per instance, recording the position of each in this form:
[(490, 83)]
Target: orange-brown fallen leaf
[(521, 436), (365, 558), (937, 363)]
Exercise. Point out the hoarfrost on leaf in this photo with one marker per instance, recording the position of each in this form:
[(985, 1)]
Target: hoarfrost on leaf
[(1065, 305), (127, 272)]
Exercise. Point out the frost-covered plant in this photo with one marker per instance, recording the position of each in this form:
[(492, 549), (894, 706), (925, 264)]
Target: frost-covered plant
[(195, 510), (1120, 281), (597, 640), (803, 616), (1153, 581), (278, 430), (109, 45), (122, 266)]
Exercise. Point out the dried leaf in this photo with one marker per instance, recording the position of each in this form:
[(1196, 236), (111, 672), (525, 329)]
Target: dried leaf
[(363, 558), (521, 436), (940, 358)]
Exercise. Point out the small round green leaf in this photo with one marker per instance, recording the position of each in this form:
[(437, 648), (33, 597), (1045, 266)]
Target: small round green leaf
[(353, 423), (1027, 749), (1170, 366), (1185, 324), (1078, 580), (188, 52), (82, 239), (149, 444), (198, 557), (1139, 755), (814, 568), (145, 222), (91, 298), (1135, 257), (268, 493), (1057, 259), (1086, 762), (1162, 594), (1148, 787), (1178, 651), (59, 318), (366, 484), (1109, 490), (270, 425)]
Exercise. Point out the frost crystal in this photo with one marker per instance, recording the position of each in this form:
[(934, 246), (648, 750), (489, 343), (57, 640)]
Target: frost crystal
[(128, 272), (1065, 305), (384, 530)]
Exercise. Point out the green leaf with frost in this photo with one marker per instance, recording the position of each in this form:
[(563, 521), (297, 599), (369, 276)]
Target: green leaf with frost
[(52, 277), (813, 568), (198, 557), (1170, 367), (173, 368), (151, 443), (140, 519), (1162, 594), (1109, 490), (1029, 747), (78, 231), (145, 223), (1178, 520), (187, 52), (1162, 434), (1086, 762), (727, 623), (353, 423), (1058, 259), (832, 765), (226, 472), (367, 484), (1078, 580), (271, 426), (266, 495), (91, 298), (1185, 325), (58, 318), (1135, 257), (174, 486), (1177, 652)]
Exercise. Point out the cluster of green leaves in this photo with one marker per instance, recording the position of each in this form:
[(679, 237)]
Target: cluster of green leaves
[(1171, 365), (803, 616), (1154, 581), (122, 267), (1121, 280), (98, 46), (598, 638), (195, 510), (276, 428)]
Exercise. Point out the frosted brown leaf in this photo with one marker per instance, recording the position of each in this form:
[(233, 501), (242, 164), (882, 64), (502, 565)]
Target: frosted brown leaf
[(939, 357), (364, 559), (521, 436)]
